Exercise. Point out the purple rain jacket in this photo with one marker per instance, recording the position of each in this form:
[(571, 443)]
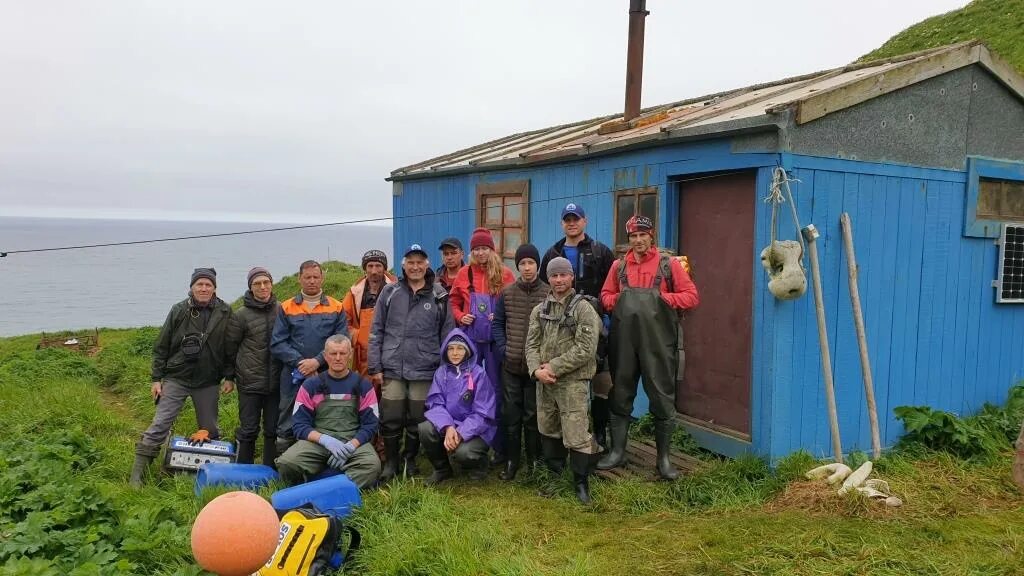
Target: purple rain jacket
[(450, 402)]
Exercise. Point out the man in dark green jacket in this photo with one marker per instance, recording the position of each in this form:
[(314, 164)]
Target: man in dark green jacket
[(257, 373), (188, 362)]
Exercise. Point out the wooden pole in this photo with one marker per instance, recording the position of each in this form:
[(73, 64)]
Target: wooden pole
[(862, 339), (811, 234), (1018, 460)]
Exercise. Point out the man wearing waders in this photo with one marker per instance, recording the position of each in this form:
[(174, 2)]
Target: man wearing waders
[(645, 290), (591, 260), (410, 322), (561, 354)]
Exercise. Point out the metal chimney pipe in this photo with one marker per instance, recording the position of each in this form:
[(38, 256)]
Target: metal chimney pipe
[(635, 58)]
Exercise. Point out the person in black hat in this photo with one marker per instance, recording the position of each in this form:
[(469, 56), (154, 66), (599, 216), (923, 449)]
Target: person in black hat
[(410, 321), (518, 418), (591, 260), (189, 361), (451, 261)]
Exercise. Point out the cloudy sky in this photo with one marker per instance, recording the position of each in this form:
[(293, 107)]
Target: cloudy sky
[(255, 110)]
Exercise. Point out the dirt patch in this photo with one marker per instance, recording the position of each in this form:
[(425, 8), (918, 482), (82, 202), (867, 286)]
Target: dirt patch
[(820, 498)]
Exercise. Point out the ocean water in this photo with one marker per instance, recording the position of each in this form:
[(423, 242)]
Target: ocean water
[(135, 285)]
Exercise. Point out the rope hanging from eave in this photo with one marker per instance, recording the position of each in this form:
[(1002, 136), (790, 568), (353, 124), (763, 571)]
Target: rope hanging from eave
[(783, 259)]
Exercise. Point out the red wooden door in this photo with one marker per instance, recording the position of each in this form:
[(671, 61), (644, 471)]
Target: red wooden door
[(716, 233)]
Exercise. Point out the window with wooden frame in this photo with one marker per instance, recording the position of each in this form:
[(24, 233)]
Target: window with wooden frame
[(995, 195), (503, 208), (643, 201)]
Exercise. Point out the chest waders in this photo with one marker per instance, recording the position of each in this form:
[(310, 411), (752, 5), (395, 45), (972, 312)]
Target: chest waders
[(643, 343), (481, 306)]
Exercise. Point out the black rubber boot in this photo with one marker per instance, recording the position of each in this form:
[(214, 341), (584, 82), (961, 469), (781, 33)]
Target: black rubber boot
[(663, 438), (581, 463), (477, 471), (246, 451), (391, 453), (269, 451), (616, 455), (139, 468), (412, 449), (554, 454), (513, 438), (440, 474), (531, 445), (599, 412)]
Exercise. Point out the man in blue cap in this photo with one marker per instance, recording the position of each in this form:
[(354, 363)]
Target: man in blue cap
[(410, 321), (591, 260)]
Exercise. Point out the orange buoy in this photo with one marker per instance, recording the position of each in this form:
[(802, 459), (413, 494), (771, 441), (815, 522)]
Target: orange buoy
[(235, 534)]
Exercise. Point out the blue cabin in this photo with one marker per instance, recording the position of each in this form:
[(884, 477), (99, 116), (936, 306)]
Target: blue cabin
[(925, 152)]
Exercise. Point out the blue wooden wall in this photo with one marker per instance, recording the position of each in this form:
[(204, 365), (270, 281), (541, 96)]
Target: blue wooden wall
[(935, 335)]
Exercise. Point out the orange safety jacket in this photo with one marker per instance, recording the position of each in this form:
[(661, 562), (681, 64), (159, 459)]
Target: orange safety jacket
[(360, 321)]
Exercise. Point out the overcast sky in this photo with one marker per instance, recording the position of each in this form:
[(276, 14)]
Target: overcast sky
[(297, 111)]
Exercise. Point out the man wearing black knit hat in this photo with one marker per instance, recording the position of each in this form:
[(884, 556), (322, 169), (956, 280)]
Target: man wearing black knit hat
[(188, 362), (518, 418)]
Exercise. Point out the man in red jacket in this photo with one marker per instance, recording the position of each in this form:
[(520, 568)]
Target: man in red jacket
[(645, 292)]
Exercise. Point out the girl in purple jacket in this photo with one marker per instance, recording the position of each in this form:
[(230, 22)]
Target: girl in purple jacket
[(460, 412)]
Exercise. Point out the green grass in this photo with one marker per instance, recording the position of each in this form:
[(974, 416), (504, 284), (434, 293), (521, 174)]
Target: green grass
[(997, 23), (734, 517), (338, 277)]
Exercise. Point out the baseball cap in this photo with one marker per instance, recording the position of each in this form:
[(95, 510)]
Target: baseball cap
[(452, 242), (574, 209), (416, 249)]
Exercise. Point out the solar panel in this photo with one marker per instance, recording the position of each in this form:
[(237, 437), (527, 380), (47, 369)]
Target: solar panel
[(1010, 284)]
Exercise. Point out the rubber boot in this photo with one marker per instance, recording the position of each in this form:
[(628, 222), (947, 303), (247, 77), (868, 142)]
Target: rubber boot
[(269, 451), (616, 455), (599, 411), (390, 468), (513, 439), (580, 463), (477, 471), (139, 468), (246, 451), (412, 449), (663, 438), (442, 467), (554, 454), (531, 445)]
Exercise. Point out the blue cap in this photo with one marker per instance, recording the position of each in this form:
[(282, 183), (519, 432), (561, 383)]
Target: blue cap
[(574, 209), (416, 249)]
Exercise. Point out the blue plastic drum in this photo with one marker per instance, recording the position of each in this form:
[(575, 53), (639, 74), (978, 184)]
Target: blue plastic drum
[(241, 476), (336, 495)]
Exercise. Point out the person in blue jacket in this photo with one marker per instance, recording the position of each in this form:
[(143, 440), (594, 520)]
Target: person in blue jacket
[(460, 412)]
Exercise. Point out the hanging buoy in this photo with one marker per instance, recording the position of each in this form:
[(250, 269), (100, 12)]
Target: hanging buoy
[(787, 279)]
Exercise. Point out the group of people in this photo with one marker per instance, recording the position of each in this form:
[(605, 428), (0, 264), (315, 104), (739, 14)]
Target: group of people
[(475, 366)]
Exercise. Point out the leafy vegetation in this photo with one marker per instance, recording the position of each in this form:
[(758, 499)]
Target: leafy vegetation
[(997, 23), (987, 433)]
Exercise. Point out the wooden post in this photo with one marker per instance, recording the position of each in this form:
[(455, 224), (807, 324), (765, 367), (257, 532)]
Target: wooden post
[(862, 339), (811, 234), (1018, 460)]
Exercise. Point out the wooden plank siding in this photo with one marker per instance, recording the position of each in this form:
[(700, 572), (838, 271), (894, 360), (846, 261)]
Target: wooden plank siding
[(936, 336)]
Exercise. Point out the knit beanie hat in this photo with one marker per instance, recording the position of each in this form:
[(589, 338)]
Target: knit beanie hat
[(527, 251), (481, 237), (559, 266), (257, 272), (208, 273), (375, 256)]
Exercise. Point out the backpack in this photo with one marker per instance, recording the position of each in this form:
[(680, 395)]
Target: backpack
[(602, 339), (309, 544)]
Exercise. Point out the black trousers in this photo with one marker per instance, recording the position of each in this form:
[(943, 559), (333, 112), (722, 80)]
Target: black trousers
[(519, 409), (254, 410), (471, 453)]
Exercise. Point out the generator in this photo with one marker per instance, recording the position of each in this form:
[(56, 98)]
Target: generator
[(184, 455)]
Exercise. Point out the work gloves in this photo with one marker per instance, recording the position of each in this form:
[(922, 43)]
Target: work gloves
[(340, 451)]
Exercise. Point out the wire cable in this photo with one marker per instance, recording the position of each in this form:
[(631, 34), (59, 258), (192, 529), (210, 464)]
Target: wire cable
[(325, 224)]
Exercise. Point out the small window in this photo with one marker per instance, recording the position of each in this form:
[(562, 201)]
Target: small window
[(642, 201), (995, 196), (503, 208)]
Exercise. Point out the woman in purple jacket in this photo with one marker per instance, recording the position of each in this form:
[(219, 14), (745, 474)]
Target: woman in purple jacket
[(460, 412)]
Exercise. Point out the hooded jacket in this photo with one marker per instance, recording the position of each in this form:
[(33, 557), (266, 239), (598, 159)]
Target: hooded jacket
[(567, 342), (169, 361), (450, 402), (408, 329), (247, 345)]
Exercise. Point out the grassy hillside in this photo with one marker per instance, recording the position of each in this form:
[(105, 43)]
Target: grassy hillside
[(997, 23), (338, 277)]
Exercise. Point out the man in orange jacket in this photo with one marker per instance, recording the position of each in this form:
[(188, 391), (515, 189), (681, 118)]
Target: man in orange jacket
[(645, 292), (360, 302)]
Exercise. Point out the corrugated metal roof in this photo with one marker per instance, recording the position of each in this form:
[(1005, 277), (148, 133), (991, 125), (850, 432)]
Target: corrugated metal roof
[(811, 96)]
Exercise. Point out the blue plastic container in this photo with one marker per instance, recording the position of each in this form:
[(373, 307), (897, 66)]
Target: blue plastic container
[(336, 495), (242, 476)]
